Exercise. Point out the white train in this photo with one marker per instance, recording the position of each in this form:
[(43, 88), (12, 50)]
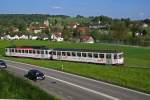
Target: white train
[(76, 55)]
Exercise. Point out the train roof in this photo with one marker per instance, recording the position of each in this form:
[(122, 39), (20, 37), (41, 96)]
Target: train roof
[(87, 50), (30, 47), (65, 49)]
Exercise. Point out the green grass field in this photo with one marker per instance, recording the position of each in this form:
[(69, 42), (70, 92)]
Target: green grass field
[(134, 74), (20, 89)]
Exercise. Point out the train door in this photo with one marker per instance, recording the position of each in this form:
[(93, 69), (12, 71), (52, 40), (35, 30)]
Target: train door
[(59, 56), (42, 54), (108, 58)]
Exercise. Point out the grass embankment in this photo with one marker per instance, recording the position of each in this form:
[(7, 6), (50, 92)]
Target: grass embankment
[(16, 88), (134, 74)]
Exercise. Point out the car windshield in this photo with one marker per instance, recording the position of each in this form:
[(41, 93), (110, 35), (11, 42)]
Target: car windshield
[(37, 72)]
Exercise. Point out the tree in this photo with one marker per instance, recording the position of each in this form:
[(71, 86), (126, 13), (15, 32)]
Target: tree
[(119, 30), (136, 27)]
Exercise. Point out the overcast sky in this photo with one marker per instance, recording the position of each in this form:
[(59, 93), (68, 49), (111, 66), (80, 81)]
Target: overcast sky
[(135, 9)]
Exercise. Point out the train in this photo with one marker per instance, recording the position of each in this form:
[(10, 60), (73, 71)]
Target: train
[(113, 57)]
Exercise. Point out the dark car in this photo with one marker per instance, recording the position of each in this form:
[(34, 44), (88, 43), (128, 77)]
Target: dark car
[(3, 64), (34, 75)]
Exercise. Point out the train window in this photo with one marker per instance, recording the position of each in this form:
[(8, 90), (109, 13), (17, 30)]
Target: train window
[(108, 56), (79, 54), (95, 55), (120, 56), (50, 52), (73, 53), (83, 54), (22, 51), (15, 50), (12, 50), (6, 50), (101, 55), (54, 53), (63, 53), (115, 56), (46, 52), (19, 51), (30, 51), (68, 54), (33, 51), (90, 55), (38, 52), (59, 53), (42, 52), (26, 51)]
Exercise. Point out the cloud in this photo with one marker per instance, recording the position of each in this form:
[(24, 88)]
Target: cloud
[(56, 7)]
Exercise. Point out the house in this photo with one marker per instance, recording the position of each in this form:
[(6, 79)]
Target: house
[(145, 25), (43, 36), (57, 36), (82, 29), (86, 39), (33, 37), (37, 28), (138, 34), (14, 29), (24, 37), (98, 26), (11, 37), (73, 25)]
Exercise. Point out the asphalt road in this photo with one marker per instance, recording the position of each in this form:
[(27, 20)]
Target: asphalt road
[(72, 87)]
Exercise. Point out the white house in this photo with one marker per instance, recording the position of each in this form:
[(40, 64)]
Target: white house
[(86, 39), (37, 31), (56, 36), (25, 37), (33, 37)]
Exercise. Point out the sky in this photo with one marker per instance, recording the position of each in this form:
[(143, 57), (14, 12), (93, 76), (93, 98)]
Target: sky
[(134, 9)]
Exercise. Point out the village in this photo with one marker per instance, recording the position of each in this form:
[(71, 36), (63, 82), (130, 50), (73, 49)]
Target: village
[(77, 29)]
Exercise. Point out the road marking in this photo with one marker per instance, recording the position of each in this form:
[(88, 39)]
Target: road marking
[(81, 87), (83, 78)]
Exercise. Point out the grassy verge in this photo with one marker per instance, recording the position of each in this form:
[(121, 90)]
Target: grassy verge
[(134, 74), (16, 88)]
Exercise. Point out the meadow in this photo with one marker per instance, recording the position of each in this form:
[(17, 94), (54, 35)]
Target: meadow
[(133, 74), (20, 89)]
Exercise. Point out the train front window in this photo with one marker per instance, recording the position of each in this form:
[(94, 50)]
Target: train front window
[(120, 56), (115, 56), (6, 50)]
